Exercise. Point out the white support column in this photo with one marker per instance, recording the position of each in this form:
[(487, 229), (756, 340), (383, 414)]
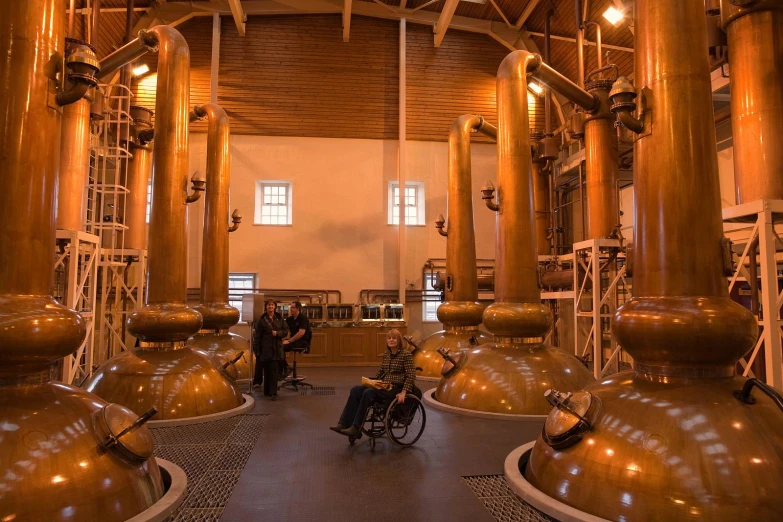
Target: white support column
[(769, 300), (402, 167), (215, 63), (598, 356)]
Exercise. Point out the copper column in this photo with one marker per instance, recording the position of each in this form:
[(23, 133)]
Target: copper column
[(510, 375), (158, 372), (461, 313), (218, 315), (755, 38), (139, 172), (54, 467), (674, 438)]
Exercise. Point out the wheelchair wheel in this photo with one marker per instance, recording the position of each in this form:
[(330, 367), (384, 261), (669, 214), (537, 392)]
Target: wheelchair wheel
[(405, 422)]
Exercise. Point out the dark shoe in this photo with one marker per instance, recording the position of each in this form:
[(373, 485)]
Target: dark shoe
[(352, 431), (339, 428), (273, 397)]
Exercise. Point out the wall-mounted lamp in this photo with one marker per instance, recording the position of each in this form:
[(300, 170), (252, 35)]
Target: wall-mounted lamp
[(140, 70), (613, 15)]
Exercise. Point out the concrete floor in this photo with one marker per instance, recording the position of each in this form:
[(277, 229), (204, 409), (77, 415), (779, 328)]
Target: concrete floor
[(300, 470)]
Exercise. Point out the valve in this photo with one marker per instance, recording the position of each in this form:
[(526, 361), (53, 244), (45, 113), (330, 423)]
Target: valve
[(452, 361), (236, 219), (488, 195), (440, 223), (569, 419), (120, 432)]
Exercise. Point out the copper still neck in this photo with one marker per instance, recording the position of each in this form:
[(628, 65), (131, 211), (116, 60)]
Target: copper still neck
[(166, 318), (756, 59), (680, 319), (35, 331), (518, 311), (214, 306)]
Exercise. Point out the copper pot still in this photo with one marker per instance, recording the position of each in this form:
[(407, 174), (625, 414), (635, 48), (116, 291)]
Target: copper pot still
[(58, 463), (510, 375), (678, 438), (163, 371)]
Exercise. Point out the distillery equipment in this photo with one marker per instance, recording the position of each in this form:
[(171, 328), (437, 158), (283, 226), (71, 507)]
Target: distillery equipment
[(138, 179), (56, 463), (461, 312), (682, 437), (753, 29), (218, 316), (163, 371), (511, 374)]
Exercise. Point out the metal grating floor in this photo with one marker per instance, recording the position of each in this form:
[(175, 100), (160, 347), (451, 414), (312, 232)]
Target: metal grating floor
[(212, 454), (501, 502), (317, 390), (426, 386)]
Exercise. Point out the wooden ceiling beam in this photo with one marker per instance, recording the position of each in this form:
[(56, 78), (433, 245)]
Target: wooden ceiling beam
[(239, 15), (444, 20), (347, 20), (526, 14)]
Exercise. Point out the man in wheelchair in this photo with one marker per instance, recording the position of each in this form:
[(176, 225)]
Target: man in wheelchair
[(397, 376)]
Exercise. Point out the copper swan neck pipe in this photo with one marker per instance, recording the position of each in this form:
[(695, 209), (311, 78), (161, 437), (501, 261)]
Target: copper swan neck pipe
[(166, 318), (518, 311), (214, 261), (680, 318)]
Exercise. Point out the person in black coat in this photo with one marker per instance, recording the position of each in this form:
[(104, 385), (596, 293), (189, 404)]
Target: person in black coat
[(270, 330)]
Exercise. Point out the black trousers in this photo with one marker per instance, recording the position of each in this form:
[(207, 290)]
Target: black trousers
[(266, 373), (359, 401)]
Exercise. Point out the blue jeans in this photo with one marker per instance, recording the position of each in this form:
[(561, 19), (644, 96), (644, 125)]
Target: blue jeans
[(359, 401)]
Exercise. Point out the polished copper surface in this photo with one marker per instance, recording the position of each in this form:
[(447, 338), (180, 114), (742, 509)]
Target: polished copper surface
[(511, 374), (139, 173), (164, 372), (461, 312), (53, 468), (224, 346), (671, 442), (214, 308), (453, 338), (756, 61), (601, 168), (74, 165), (180, 383), (541, 207), (670, 449), (511, 378)]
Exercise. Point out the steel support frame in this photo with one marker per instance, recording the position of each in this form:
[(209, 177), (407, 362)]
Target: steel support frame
[(760, 217), (588, 255), (115, 292), (79, 257)]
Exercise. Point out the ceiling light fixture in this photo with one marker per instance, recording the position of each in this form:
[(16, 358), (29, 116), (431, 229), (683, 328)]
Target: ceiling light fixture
[(535, 88), (613, 15), (141, 69)]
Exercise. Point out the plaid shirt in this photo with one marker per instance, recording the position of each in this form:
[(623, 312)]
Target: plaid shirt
[(398, 369)]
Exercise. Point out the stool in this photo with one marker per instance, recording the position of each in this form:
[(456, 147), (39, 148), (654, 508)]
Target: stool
[(294, 380)]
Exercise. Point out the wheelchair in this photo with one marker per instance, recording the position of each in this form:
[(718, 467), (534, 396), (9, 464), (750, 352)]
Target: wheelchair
[(402, 423)]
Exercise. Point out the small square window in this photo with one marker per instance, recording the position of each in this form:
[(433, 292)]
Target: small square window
[(431, 300), (273, 203), (414, 203), (239, 284)]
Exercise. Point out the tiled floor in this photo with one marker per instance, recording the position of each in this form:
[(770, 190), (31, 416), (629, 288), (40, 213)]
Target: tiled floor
[(301, 471)]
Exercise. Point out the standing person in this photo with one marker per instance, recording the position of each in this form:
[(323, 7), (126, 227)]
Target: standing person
[(299, 326), (397, 369), (270, 330)]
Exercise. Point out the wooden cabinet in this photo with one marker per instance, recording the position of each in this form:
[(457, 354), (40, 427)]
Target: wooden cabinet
[(350, 346)]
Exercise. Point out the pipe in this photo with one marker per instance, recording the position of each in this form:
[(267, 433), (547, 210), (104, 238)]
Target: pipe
[(133, 50), (165, 317), (601, 165), (756, 58), (547, 57), (518, 311), (672, 282), (541, 207), (559, 83), (598, 47), (35, 331), (580, 44), (95, 22), (214, 307), (71, 13), (74, 165), (139, 172)]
